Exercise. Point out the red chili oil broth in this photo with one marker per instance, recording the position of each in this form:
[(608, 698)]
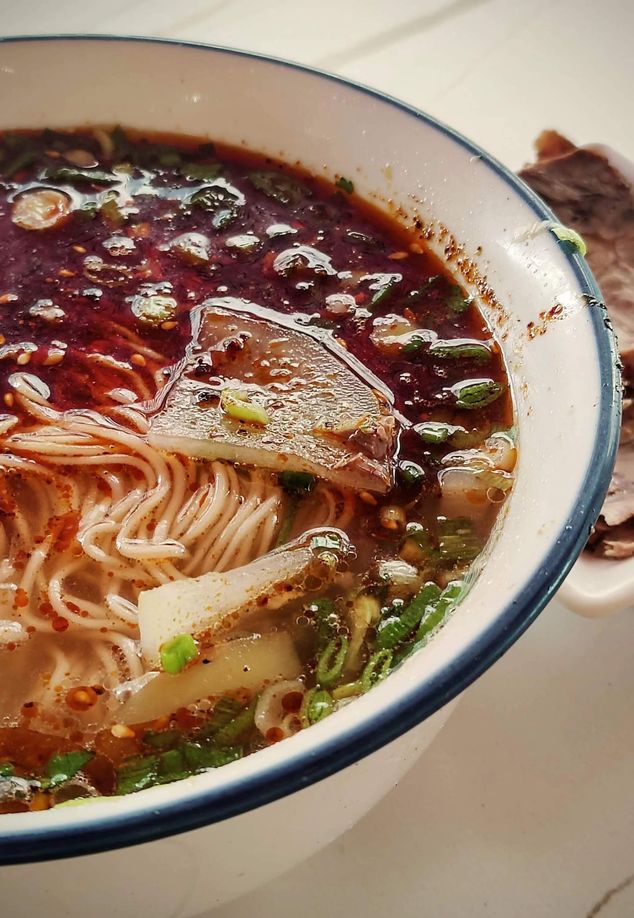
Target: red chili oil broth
[(69, 290)]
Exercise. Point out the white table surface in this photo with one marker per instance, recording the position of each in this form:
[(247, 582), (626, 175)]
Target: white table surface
[(524, 805)]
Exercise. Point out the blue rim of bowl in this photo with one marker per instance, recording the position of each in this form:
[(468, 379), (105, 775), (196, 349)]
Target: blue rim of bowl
[(216, 804)]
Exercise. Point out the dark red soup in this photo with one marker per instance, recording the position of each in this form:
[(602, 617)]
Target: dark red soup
[(254, 436)]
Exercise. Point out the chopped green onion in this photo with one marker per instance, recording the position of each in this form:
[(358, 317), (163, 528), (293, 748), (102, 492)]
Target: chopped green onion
[(567, 235), (397, 628), (137, 773), (88, 211), (162, 739), (459, 349), (413, 345), (477, 394), (376, 669), (416, 534), (347, 690), (438, 611), (225, 710), (456, 300), (415, 295), (230, 734), (345, 185), (171, 766), (496, 478), (328, 542), (317, 704), (327, 621), (65, 765), (71, 175), (169, 158), (410, 472), (433, 618), (220, 201), (413, 553), (383, 293), (177, 653), (201, 170), (6, 770), (332, 661), (279, 187), (200, 757), (457, 540), (110, 210), (297, 482), (237, 404), (19, 162), (120, 142), (434, 432), (287, 523), (462, 438)]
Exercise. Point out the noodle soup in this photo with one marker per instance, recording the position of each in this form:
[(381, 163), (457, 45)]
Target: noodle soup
[(254, 438)]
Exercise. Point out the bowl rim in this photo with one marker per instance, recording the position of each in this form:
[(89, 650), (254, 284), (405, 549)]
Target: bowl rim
[(215, 804)]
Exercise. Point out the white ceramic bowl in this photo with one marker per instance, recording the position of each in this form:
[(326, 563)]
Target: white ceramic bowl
[(211, 837)]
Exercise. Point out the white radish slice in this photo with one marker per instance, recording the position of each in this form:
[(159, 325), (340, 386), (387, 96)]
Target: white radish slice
[(245, 663), (209, 606)]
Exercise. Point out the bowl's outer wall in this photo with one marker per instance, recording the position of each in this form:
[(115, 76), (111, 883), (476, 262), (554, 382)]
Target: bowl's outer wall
[(568, 421), (187, 874)]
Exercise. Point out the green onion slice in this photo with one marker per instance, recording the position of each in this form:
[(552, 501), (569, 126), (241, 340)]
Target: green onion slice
[(177, 653)]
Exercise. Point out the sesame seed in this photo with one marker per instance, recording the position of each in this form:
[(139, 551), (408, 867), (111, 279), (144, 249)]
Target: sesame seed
[(53, 357), (120, 731)]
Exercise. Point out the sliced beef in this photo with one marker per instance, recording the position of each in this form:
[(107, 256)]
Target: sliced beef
[(591, 189)]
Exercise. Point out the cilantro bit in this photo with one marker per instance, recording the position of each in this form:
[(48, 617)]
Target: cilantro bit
[(63, 766)]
